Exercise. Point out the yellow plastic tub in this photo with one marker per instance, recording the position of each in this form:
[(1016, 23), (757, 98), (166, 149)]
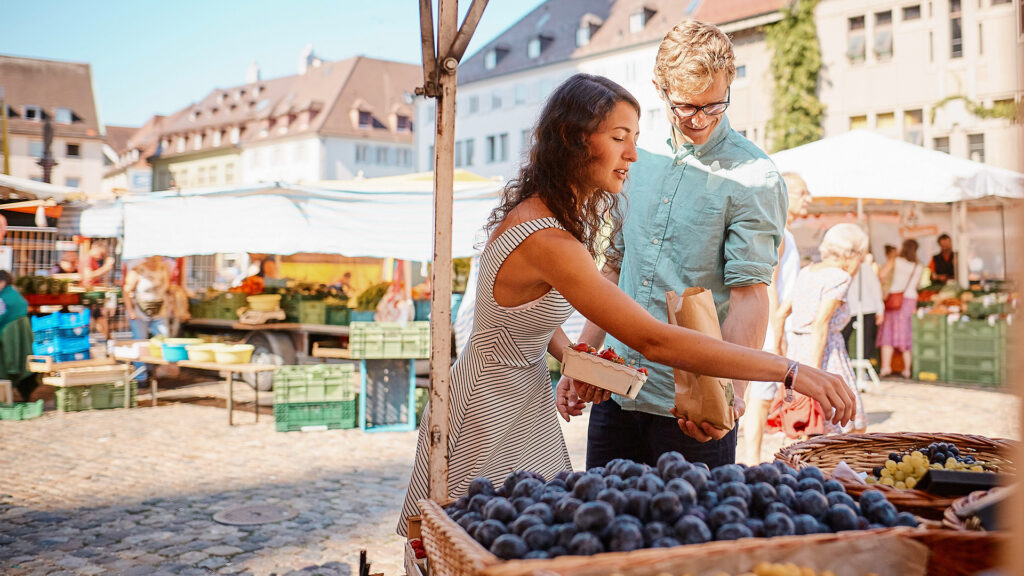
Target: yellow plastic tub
[(203, 352), (234, 354), (264, 302), (156, 349)]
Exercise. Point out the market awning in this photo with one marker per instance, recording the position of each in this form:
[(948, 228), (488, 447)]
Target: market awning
[(385, 217), (101, 219), (863, 164), (13, 187)]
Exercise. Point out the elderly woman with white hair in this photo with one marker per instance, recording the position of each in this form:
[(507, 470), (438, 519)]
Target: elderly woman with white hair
[(819, 311)]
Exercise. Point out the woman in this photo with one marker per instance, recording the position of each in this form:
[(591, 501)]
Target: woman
[(537, 266), (896, 330), (146, 300), (814, 336)]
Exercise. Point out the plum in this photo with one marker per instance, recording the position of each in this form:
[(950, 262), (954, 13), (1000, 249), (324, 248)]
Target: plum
[(841, 498), (628, 518), (811, 472), (778, 524), (555, 484), (557, 550), (723, 514), (809, 484), (454, 513), (529, 488), (570, 481), (683, 489), (692, 530), (703, 465), (812, 502), (480, 486), (566, 509), (614, 465), (539, 537), (522, 503), (630, 469), (675, 470), (728, 473), (708, 499), (762, 495), (882, 513), (477, 503), (593, 516), (537, 555), (585, 544), (667, 458), (462, 503), (509, 546), (756, 526), (657, 530), (841, 517), (564, 534), (785, 494), (500, 509), (869, 497), (553, 498), (666, 507), (832, 485), (520, 524), (598, 470), (733, 531), (614, 481), (542, 511), (467, 518), (805, 524), (488, 531), (734, 489), (906, 519), (666, 542), (762, 473), (736, 502), (787, 480), (588, 487), (696, 478), (698, 511), (614, 497), (784, 469), (626, 537), (638, 504), (562, 475), (651, 484)]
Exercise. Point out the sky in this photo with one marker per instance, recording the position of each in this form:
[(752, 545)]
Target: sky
[(158, 57)]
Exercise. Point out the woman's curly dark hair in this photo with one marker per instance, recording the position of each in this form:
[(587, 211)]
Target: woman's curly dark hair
[(559, 159)]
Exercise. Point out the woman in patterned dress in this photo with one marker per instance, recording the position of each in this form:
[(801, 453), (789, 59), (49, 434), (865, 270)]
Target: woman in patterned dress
[(537, 266), (815, 336)]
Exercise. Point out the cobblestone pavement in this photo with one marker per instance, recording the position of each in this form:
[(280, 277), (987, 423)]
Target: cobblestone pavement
[(134, 491)]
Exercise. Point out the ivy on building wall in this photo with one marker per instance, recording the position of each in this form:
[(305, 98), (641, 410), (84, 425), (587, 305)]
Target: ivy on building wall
[(1007, 110), (796, 60)]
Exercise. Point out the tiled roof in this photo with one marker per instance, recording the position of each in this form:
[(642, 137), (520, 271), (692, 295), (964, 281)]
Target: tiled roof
[(117, 137), (559, 20), (49, 84), (144, 139), (318, 102)]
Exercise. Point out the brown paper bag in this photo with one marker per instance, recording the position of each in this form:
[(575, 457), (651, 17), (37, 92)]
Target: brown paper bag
[(700, 398)]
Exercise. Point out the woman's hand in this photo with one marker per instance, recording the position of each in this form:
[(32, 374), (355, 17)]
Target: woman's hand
[(879, 318), (706, 432), (567, 401), (590, 393), (830, 391)]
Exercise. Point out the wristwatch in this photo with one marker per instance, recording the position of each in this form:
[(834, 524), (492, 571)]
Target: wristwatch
[(790, 380)]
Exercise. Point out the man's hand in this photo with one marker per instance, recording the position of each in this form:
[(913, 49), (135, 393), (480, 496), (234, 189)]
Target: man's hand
[(590, 393), (879, 318), (567, 401), (702, 433)]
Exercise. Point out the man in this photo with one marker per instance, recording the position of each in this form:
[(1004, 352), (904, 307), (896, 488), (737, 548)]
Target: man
[(943, 265), (709, 212), (760, 394)]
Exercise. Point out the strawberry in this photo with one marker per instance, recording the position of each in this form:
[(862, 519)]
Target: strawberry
[(608, 354), (642, 371), (581, 347)]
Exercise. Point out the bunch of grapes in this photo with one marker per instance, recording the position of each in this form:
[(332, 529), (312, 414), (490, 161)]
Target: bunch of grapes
[(904, 471), (625, 506)]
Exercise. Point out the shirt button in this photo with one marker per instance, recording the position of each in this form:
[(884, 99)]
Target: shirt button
[(655, 240), (665, 200), (679, 162), (646, 282)]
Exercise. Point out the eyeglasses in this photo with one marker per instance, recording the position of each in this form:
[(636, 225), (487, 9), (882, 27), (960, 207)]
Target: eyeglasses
[(684, 111)]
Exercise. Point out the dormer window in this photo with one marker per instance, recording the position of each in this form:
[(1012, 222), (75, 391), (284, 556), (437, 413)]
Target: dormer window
[(197, 142), (33, 113), (221, 98), (536, 45), (193, 116), (63, 115), (493, 56), (403, 124), (239, 94), (588, 25), (365, 120), (638, 20), (217, 135), (583, 35), (236, 135)]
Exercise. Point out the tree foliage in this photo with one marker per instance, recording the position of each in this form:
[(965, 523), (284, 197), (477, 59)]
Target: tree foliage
[(796, 60)]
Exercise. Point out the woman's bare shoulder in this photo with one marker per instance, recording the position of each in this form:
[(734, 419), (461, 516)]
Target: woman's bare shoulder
[(529, 209)]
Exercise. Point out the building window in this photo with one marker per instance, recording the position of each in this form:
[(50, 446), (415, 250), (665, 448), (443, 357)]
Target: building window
[(981, 39), (404, 124), (503, 147), (63, 116), (72, 182), (474, 104), (956, 46), (201, 176), (533, 48), (218, 135), (431, 157), (469, 152), (976, 147), (525, 140), (913, 122), (236, 135), (494, 56), (855, 39), (33, 113), (229, 173), (912, 12), (997, 2), (741, 71), (73, 151), (458, 153), (520, 94), (36, 178), (941, 144), (197, 142), (639, 19), (383, 156), (497, 148), (35, 148), (583, 35), (496, 100), (858, 122), (362, 151), (883, 34), (365, 120), (885, 121), (181, 144)]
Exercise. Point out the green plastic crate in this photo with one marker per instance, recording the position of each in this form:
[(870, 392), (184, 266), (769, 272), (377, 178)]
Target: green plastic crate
[(930, 329), (337, 315), (977, 329), (312, 312), (316, 415), (929, 351), (315, 383), (95, 397), (930, 366), (376, 340), (975, 375), (21, 410)]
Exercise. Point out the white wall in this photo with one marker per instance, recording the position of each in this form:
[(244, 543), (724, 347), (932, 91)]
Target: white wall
[(87, 167), (294, 161), (380, 158)]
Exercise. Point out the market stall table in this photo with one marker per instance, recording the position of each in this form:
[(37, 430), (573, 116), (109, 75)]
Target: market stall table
[(229, 369), (81, 373)]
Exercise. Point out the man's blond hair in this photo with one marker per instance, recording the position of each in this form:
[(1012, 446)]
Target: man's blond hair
[(690, 55)]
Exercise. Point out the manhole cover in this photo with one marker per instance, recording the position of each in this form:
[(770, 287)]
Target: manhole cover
[(254, 514)]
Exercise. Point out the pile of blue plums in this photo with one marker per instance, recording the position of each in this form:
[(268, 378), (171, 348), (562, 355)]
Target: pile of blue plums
[(626, 506)]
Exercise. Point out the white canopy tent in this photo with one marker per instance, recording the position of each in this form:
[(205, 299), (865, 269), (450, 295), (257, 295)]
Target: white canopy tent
[(13, 187), (382, 217)]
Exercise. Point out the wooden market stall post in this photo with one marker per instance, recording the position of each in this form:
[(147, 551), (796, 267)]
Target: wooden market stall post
[(440, 65)]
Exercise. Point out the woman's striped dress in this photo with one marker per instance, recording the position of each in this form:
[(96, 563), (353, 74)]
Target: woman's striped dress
[(502, 411)]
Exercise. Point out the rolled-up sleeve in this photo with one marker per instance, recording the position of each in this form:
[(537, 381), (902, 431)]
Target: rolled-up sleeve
[(756, 222)]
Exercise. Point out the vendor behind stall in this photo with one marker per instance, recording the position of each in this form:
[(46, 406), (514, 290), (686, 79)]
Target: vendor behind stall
[(15, 337)]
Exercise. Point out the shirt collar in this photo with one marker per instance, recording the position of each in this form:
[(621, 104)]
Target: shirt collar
[(699, 149)]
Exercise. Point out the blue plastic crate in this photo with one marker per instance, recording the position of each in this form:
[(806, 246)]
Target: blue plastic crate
[(71, 356), (60, 346), (73, 319), (73, 332), (48, 322), (45, 335)]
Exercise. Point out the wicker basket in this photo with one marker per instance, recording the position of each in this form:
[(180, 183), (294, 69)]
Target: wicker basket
[(958, 552), (951, 518), (452, 552), (865, 451)]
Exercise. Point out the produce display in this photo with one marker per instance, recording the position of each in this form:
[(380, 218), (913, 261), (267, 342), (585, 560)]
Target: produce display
[(41, 285), (626, 506), (904, 471), (607, 354)]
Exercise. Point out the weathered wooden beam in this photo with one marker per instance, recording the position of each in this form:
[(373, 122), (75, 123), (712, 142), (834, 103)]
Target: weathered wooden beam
[(429, 88), (458, 47)]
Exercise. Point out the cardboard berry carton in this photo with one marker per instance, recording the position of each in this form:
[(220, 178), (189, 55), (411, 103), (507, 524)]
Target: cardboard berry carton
[(603, 369)]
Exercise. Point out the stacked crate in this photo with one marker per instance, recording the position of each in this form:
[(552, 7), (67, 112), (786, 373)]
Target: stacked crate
[(977, 351), (320, 396), (376, 340), (62, 335), (95, 397), (930, 347)]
